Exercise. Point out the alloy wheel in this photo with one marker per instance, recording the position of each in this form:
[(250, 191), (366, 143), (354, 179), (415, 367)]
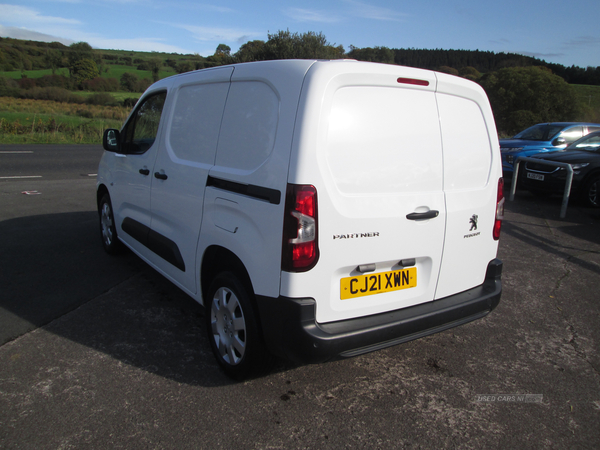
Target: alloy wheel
[(228, 326), (106, 224)]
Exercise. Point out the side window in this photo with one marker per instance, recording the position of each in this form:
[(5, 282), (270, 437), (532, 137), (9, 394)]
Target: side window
[(142, 128), (249, 126), (196, 120), (572, 134)]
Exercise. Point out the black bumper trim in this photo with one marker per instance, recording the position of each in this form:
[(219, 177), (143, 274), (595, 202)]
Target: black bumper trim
[(291, 331)]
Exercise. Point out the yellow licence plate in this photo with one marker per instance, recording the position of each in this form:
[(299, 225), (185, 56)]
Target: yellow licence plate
[(352, 287)]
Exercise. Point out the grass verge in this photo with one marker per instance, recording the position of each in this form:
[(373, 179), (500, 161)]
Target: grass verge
[(47, 122)]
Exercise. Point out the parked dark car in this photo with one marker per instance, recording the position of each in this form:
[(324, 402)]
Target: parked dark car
[(543, 137), (583, 156)]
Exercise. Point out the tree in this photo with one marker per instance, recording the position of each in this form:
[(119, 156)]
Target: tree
[(184, 66), (223, 50), (448, 70), (85, 69), (77, 52), (155, 65), (222, 55), (129, 81), (53, 58), (524, 96), (376, 54), (310, 45), (250, 51), (470, 73)]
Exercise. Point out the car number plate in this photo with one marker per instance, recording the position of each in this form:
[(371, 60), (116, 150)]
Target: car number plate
[(535, 176), (377, 283)]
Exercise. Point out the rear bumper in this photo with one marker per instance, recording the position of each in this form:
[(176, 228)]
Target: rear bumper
[(291, 331)]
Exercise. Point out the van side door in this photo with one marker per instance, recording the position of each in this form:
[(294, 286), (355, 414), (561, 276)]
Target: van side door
[(180, 172)]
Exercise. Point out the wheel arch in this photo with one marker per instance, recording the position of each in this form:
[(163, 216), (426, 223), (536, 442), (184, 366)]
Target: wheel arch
[(593, 174), (101, 192), (585, 185), (218, 259)]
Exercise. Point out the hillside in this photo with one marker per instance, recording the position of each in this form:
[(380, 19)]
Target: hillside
[(34, 59), (53, 93)]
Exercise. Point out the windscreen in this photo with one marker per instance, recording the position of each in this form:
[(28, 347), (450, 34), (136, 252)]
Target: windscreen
[(542, 132)]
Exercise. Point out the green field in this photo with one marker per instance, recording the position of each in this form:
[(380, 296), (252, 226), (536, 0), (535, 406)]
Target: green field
[(589, 101), (588, 95), (116, 71), (109, 71)]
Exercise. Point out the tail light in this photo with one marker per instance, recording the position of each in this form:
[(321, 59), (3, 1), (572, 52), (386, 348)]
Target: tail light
[(300, 250), (499, 209)]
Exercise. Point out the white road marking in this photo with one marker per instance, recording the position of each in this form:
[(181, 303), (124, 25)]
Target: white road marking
[(17, 177), (14, 152)]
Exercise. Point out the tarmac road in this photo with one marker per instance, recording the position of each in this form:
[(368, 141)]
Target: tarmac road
[(119, 358), (51, 263)]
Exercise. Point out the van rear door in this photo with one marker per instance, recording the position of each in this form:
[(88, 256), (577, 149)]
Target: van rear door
[(472, 168), (380, 193)]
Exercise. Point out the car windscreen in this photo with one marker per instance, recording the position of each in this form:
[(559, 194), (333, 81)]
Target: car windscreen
[(590, 143), (542, 132)]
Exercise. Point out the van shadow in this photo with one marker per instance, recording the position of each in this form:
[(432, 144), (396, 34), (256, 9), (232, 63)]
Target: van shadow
[(54, 273)]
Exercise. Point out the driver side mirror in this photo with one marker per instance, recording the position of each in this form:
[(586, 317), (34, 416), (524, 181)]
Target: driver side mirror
[(111, 141), (559, 141)]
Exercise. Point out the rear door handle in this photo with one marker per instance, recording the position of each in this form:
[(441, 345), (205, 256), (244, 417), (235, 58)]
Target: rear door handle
[(160, 176), (423, 216), (145, 171)]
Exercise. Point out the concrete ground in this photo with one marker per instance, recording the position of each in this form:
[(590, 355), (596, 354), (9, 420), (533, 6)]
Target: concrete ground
[(131, 367)]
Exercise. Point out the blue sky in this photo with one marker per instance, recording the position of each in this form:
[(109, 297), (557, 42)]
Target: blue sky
[(561, 32)]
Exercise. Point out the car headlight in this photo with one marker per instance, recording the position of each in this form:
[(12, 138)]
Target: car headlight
[(579, 166)]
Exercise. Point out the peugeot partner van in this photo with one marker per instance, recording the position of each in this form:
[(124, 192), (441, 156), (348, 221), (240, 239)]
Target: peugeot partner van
[(317, 209)]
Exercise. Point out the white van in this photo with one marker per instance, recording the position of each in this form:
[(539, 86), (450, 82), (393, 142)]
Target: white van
[(317, 209)]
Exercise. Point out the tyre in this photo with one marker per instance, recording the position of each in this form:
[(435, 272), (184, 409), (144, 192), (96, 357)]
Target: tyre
[(591, 193), (108, 231), (232, 328)]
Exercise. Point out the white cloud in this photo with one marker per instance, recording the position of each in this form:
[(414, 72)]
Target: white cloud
[(21, 15), (217, 34), (307, 15), (540, 55), (29, 35), (584, 41), (138, 44)]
